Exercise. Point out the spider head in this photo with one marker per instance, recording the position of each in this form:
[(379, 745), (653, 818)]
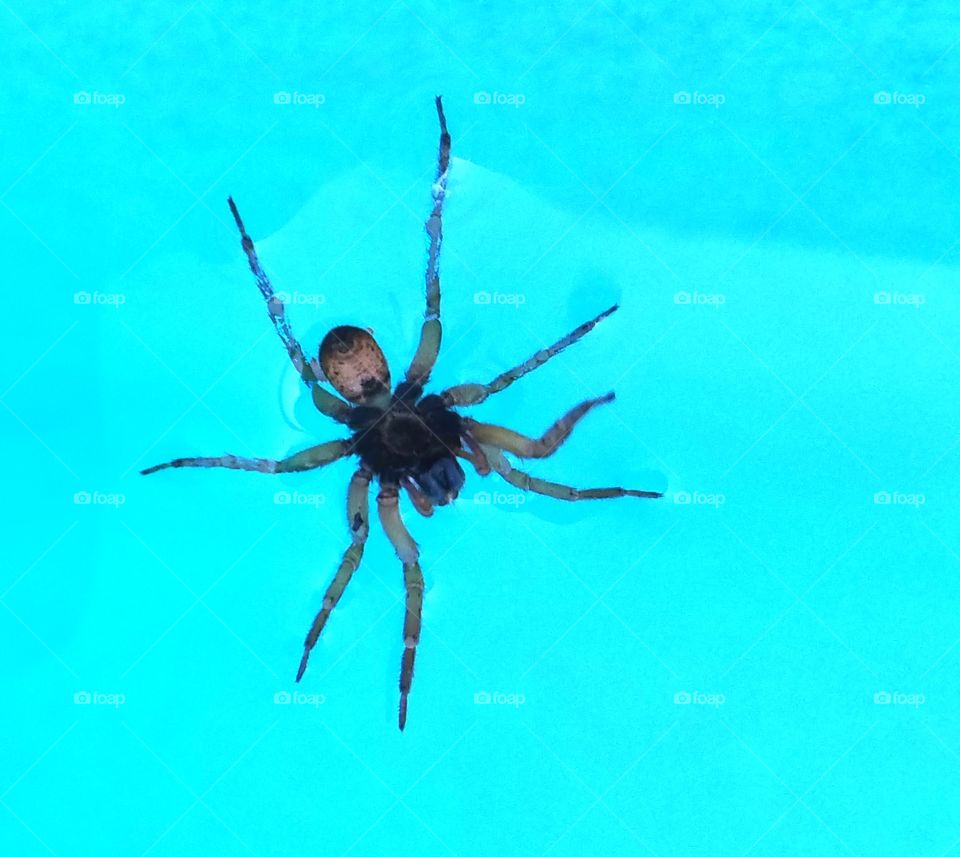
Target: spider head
[(354, 364), (441, 481)]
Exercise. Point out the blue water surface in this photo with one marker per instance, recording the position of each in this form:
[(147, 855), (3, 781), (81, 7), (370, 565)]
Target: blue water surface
[(763, 662)]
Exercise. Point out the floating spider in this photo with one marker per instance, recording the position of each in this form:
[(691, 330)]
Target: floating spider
[(405, 439)]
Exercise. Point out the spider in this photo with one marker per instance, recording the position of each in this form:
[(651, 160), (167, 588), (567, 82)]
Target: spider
[(404, 439)]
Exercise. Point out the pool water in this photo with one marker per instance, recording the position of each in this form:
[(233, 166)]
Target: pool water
[(762, 662)]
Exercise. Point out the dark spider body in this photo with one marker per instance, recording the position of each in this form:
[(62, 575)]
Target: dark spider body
[(412, 440), (401, 439), (405, 440)]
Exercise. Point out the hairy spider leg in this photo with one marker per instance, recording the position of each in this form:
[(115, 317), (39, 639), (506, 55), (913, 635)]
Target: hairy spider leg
[(431, 332), (473, 394), (528, 447), (527, 482), (413, 584), (358, 520), (409, 555), (307, 459), (326, 402)]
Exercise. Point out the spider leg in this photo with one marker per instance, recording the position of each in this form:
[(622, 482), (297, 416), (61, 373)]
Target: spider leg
[(358, 520), (309, 371), (409, 555), (528, 447), (554, 489), (307, 459), (473, 394), (430, 333)]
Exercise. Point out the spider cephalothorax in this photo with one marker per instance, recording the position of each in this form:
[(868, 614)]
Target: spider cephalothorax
[(410, 443), (403, 438)]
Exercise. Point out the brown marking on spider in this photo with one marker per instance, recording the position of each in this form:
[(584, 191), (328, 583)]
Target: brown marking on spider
[(354, 364), (405, 439)]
